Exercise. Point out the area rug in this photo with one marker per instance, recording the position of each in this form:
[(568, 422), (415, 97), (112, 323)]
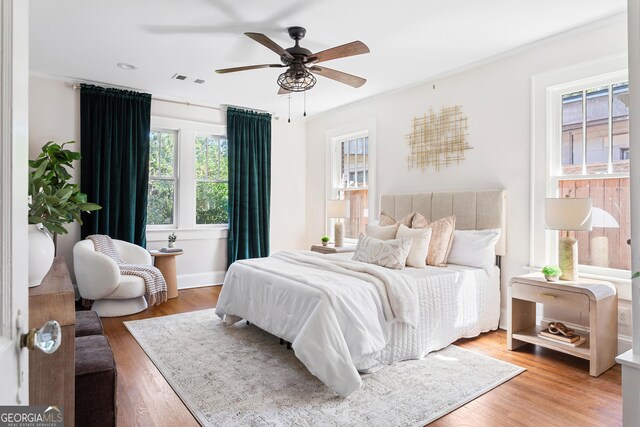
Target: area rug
[(241, 376)]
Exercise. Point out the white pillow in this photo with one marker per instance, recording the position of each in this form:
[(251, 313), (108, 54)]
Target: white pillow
[(382, 232), (474, 248), (385, 253), (420, 238)]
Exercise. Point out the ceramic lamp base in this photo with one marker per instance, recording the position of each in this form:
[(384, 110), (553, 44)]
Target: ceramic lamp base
[(338, 231), (568, 258)]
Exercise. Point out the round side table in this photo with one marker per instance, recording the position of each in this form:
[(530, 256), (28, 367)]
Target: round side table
[(166, 263)]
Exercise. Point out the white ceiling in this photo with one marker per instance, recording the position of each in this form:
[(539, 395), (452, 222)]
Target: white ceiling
[(410, 41)]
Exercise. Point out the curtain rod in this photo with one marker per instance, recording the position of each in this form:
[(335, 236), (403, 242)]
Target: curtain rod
[(76, 86)]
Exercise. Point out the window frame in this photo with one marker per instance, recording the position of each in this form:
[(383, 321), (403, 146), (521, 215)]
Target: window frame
[(175, 179), (554, 160), (197, 180), (333, 139), (185, 193)]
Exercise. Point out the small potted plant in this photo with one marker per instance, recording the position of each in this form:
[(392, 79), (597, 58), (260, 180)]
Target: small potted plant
[(325, 240), (551, 273), (172, 239)]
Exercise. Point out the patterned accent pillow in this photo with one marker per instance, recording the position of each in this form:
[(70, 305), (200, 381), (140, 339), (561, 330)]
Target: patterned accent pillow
[(419, 221), (441, 240), (382, 232), (385, 253), (386, 219)]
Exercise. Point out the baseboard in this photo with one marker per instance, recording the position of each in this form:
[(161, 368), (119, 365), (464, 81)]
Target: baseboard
[(198, 280)]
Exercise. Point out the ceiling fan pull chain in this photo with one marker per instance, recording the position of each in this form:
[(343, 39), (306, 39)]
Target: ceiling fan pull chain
[(305, 103), (289, 119)]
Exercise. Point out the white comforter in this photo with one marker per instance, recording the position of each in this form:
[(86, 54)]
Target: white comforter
[(337, 320)]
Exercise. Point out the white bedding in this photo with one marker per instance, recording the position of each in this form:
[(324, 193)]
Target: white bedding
[(336, 322)]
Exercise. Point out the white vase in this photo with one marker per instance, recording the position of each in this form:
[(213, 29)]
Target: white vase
[(41, 254), (172, 244)]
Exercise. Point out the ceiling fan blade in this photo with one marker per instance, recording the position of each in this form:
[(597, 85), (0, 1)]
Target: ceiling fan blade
[(339, 76), (343, 51), (248, 67), (283, 91), (267, 42)]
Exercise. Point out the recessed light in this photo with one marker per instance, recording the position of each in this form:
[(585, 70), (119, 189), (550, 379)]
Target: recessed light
[(126, 66)]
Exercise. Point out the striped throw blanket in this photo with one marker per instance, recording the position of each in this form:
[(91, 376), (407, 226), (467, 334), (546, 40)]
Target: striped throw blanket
[(153, 279)]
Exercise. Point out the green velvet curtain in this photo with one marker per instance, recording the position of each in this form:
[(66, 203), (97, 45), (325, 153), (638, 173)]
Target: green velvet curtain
[(249, 142), (114, 130)]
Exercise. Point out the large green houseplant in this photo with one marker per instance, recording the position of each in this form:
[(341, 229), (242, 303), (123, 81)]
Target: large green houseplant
[(53, 202)]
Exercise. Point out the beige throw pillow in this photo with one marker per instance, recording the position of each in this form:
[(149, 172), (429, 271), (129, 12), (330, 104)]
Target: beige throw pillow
[(386, 219), (382, 232), (441, 240), (385, 253), (419, 221), (420, 239)]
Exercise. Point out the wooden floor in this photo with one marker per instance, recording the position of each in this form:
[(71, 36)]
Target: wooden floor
[(556, 390)]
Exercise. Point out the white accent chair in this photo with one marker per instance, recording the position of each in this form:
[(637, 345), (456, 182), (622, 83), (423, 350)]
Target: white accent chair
[(99, 278)]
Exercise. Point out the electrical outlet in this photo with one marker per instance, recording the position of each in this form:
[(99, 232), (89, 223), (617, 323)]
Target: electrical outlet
[(624, 316)]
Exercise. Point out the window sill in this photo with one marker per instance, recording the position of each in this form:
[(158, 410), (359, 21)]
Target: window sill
[(200, 233), (622, 285)]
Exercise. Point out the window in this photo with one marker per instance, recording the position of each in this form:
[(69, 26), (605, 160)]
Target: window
[(212, 189), (594, 162), (162, 177), (351, 179)]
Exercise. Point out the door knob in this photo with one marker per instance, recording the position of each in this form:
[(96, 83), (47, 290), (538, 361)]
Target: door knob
[(47, 338)]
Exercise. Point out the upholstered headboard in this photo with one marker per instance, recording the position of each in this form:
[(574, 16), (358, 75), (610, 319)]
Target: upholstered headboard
[(474, 210)]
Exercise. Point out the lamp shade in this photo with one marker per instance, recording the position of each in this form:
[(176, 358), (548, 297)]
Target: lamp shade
[(338, 208), (568, 214)]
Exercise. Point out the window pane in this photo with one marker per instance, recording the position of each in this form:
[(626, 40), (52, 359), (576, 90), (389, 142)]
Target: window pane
[(154, 144), (598, 130), (165, 161), (572, 133), (620, 109), (223, 173), (160, 202), (606, 244), (211, 158), (201, 157), (212, 201), (358, 214)]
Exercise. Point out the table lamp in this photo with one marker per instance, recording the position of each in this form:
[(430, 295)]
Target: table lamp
[(338, 209), (568, 214)]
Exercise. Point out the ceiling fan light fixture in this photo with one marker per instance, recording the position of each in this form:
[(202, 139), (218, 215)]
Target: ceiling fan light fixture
[(296, 81)]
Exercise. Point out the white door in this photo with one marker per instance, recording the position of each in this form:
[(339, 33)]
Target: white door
[(14, 142)]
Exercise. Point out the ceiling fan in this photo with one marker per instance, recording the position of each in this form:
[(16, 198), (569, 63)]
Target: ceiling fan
[(301, 63)]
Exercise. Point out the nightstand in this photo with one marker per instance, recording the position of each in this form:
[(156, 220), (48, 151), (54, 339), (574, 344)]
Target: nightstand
[(596, 297), (331, 249)]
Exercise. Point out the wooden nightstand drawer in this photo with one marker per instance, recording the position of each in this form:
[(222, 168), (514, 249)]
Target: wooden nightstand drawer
[(549, 296)]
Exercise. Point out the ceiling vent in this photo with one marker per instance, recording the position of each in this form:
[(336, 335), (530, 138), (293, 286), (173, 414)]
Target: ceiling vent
[(199, 81), (179, 77)]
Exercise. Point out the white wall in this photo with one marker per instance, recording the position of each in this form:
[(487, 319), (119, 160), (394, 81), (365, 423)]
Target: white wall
[(54, 114), (496, 98)]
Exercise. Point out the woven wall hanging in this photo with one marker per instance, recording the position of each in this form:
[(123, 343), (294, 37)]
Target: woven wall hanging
[(438, 139)]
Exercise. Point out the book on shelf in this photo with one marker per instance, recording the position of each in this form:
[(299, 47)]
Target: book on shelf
[(559, 337), (577, 343), (167, 250)]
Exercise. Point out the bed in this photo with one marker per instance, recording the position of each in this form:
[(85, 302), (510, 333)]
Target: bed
[(340, 325)]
